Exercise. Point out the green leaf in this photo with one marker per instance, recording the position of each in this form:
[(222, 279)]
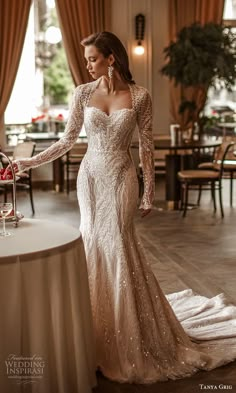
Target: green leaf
[(58, 82)]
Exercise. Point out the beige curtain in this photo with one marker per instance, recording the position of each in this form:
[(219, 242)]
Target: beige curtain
[(183, 13), (78, 19), (13, 23)]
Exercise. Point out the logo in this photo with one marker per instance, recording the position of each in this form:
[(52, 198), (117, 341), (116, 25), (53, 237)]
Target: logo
[(221, 386), (24, 369)]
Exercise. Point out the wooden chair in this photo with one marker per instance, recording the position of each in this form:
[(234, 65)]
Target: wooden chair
[(72, 160), (229, 166), (23, 150), (205, 179), (160, 155)]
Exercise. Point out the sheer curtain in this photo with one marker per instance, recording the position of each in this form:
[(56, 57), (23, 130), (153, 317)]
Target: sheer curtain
[(78, 19), (13, 24), (183, 13)]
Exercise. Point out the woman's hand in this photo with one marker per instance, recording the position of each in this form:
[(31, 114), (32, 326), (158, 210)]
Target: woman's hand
[(6, 174), (145, 212)]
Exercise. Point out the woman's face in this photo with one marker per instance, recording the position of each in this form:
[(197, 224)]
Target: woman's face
[(97, 64)]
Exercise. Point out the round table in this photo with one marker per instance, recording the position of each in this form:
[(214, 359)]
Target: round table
[(46, 335), (178, 157)]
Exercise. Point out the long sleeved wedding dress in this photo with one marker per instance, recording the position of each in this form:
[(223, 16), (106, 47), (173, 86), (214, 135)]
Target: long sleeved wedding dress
[(141, 335)]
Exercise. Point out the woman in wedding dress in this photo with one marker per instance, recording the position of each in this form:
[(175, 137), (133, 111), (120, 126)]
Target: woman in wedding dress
[(141, 335)]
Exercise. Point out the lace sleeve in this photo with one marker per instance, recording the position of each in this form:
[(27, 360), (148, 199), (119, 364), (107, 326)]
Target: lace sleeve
[(146, 150), (57, 149)]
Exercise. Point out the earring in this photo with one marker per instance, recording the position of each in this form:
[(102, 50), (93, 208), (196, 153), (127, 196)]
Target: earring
[(110, 74)]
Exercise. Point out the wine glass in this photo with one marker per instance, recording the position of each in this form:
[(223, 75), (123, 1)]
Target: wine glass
[(5, 210)]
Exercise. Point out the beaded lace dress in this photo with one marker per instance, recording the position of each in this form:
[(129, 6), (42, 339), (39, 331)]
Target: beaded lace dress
[(141, 335)]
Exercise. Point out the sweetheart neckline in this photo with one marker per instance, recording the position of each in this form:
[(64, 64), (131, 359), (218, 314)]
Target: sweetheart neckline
[(112, 113)]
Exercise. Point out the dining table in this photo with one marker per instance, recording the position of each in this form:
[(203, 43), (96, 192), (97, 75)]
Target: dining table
[(46, 334), (179, 155)]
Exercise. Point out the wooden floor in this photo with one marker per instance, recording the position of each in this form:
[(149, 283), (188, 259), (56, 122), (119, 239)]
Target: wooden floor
[(197, 252)]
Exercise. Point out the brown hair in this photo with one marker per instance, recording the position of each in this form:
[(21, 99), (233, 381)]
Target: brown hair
[(108, 43)]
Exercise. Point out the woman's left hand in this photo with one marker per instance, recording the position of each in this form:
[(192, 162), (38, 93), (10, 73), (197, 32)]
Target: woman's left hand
[(145, 212)]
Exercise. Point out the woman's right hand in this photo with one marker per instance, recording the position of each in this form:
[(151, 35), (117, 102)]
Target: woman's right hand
[(7, 173)]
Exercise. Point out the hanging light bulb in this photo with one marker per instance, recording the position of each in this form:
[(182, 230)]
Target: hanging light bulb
[(139, 49), (139, 34)]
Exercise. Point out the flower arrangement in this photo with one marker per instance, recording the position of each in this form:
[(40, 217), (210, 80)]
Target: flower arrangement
[(45, 122)]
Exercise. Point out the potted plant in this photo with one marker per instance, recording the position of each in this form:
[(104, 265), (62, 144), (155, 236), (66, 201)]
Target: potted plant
[(200, 57)]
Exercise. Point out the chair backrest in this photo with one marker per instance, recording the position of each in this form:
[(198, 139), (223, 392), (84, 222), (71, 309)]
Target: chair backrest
[(24, 150), (219, 153), (160, 154), (229, 148), (77, 151)]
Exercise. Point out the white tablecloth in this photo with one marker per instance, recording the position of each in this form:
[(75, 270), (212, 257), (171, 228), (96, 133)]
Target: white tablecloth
[(46, 338)]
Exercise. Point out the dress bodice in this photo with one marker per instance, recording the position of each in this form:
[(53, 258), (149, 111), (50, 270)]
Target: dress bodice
[(109, 132)]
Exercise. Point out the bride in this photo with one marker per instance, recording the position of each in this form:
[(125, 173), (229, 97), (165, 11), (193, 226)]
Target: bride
[(138, 334)]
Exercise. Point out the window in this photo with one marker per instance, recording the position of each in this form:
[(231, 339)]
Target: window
[(221, 98), (43, 86), (229, 17)]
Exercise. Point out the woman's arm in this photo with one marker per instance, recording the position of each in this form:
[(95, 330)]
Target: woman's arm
[(72, 130), (146, 150)]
